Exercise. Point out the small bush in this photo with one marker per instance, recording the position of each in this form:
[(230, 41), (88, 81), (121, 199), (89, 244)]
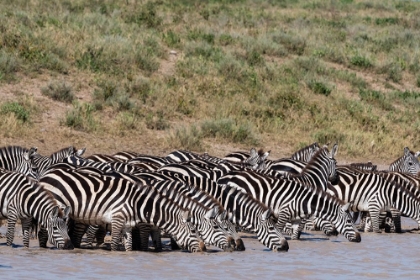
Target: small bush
[(20, 112), (229, 130), (188, 139), (360, 61), (59, 90), (156, 121), (319, 87), (80, 117)]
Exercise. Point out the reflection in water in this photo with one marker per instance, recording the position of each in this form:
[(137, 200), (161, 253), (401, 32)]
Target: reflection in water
[(378, 256)]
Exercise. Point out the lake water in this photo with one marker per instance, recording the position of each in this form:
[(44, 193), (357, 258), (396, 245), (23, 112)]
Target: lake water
[(315, 256)]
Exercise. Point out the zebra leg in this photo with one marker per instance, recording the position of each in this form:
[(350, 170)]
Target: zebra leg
[(156, 238), (76, 233), (90, 235), (43, 237), (116, 229), (396, 217), (128, 239), (100, 236), (26, 229), (297, 229), (11, 223), (374, 216)]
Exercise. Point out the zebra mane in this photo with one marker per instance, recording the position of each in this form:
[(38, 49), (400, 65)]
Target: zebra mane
[(13, 149), (63, 150)]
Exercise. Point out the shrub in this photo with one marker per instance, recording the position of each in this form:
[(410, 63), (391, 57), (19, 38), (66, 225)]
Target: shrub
[(360, 61), (186, 138), (228, 129), (20, 112), (80, 117), (319, 87), (59, 90)]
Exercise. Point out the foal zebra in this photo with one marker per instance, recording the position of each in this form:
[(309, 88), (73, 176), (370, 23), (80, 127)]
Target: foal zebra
[(101, 200), (21, 198)]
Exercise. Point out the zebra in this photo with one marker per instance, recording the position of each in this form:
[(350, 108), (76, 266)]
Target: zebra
[(246, 211), (19, 159), (209, 220), (208, 223), (165, 184), (101, 200), (43, 162), (24, 199), (291, 200), (373, 193), (318, 173), (407, 163)]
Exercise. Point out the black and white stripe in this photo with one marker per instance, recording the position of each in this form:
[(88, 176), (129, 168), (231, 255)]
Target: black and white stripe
[(19, 159), (102, 200), (291, 200), (21, 198)]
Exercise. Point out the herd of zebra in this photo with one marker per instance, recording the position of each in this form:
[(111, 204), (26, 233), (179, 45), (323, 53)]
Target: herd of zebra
[(200, 200)]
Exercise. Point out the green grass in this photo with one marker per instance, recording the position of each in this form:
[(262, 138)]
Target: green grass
[(241, 69)]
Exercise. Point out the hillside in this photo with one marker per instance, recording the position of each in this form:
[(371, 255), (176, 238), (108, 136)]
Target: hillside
[(216, 76)]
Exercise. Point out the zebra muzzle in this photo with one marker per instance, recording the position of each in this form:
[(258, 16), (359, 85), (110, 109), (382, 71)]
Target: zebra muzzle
[(68, 245)]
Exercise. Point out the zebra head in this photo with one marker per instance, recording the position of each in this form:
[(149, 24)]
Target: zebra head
[(229, 229), (344, 223), (408, 163), (186, 234), (57, 228), (332, 166), (211, 230), (269, 235), (27, 166)]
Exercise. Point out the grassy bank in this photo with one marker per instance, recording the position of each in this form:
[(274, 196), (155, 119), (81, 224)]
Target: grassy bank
[(138, 75)]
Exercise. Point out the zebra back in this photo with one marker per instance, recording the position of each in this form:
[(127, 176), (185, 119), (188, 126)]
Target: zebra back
[(305, 154)]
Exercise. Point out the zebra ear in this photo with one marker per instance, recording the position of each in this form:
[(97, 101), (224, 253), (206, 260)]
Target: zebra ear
[(334, 150), (211, 214), (230, 216), (346, 207), (417, 154), (253, 152), (265, 155), (80, 152), (266, 215), (66, 212), (222, 216), (406, 151), (54, 213), (186, 217)]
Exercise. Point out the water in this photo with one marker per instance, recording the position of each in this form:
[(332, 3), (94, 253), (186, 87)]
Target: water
[(315, 256)]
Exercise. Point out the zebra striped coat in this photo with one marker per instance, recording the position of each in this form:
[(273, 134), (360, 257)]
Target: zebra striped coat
[(373, 193), (15, 158), (102, 200), (247, 212), (291, 200), (21, 198)]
